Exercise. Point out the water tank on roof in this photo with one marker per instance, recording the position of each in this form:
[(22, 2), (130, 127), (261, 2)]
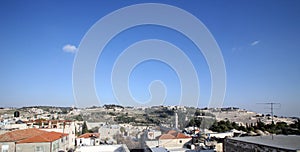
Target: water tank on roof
[(16, 114)]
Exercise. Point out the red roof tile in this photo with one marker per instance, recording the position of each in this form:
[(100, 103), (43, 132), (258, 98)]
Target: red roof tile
[(44, 137), (31, 135), (166, 136), (19, 134), (182, 135), (172, 134), (89, 135)]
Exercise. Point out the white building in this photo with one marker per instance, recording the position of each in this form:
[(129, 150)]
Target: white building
[(12, 126), (171, 140), (88, 139), (66, 127)]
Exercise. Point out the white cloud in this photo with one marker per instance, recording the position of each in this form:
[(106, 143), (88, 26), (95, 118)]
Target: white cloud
[(69, 48), (254, 43)]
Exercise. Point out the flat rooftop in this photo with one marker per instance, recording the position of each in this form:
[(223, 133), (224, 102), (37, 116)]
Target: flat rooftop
[(290, 142), (103, 148)]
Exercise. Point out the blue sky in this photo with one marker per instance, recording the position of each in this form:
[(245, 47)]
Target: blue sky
[(259, 41)]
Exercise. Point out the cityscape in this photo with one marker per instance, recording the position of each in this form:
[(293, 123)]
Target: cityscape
[(149, 76), (156, 128)]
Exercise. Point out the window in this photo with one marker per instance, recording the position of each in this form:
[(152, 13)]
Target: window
[(180, 141), (39, 149), (5, 148), (55, 146)]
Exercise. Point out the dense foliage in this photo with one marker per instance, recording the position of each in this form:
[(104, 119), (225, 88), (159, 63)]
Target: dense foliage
[(84, 128), (278, 128), (124, 119)]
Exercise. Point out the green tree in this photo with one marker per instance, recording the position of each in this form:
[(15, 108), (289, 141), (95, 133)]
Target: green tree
[(84, 128), (260, 125), (228, 125), (197, 113), (122, 130), (235, 125), (191, 123), (221, 126), (78, 118), (243, 128)]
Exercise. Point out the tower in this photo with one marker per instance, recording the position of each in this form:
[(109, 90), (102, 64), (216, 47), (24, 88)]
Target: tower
[(176, 120)]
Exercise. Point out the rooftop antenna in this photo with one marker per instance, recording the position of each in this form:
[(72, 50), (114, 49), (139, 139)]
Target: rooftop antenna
[(272, 110)]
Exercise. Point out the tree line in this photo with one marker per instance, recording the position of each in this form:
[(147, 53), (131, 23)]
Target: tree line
[(278, 128)]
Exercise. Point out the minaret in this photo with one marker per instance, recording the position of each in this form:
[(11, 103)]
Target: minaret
[(176, 120)]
